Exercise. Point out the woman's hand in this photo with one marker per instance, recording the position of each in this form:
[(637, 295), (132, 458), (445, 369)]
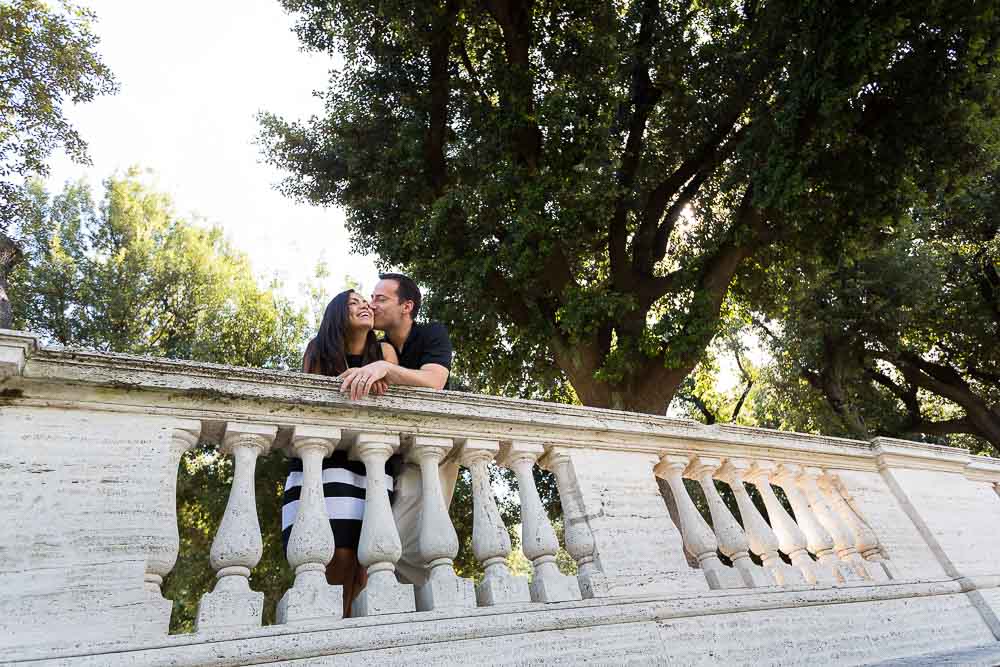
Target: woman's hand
[(360, 381)]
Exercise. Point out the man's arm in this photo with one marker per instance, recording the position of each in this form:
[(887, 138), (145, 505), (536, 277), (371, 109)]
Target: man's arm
[(434, 376), (433, 372), (359, 381)]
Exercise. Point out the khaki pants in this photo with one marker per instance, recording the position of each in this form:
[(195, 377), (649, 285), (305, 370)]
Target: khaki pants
[(406, 508)]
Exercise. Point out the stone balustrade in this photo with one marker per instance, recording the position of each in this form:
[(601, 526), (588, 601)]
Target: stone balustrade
[(818, 530)]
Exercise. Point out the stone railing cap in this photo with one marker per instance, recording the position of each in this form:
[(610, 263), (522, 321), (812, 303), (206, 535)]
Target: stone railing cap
[(227, 393)]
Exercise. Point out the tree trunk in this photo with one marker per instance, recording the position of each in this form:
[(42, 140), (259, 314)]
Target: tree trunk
[(833, 380), (10, 255), (648, 390)]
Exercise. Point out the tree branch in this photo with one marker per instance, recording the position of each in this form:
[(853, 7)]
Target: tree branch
[(666, 227), (440, 80), (946, 382), (473, 74), (643, 99), (749, 232), (514, 20), (905, 394), (700, 404), (945, 427), (747, 377)]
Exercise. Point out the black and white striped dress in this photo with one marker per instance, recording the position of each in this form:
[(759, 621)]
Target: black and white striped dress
[(343, 490)]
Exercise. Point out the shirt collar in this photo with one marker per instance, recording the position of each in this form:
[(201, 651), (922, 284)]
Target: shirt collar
[(409, 337)]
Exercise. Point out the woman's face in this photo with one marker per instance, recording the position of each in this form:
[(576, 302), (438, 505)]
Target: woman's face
[(359, 313)]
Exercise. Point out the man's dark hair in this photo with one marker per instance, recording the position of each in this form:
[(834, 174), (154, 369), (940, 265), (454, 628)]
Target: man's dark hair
[(407, 290)]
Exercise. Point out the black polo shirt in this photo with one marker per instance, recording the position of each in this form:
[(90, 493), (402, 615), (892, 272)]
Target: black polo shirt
[(428, 343)]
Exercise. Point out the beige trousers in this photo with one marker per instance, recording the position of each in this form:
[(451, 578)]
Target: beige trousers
[(406, 507)]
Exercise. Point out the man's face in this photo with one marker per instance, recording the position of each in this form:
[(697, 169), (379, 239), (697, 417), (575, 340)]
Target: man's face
[(388, 310)]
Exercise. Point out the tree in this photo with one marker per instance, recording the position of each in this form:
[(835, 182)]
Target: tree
[(46, 56), (898, 334), (130, 276), (580, 184)]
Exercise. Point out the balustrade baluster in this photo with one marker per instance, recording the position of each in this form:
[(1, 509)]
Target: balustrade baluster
[(490, 540), (237, 546), (162, 558), (865, 539), (819, 541), (379, 547), (732, 540), (311, 543), (791, 539), (699, 540), (843, 539), (438, 542), (538, 539), (576, 531), (762, 539)]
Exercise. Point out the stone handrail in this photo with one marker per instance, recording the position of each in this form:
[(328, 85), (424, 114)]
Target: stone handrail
[(863, 513)]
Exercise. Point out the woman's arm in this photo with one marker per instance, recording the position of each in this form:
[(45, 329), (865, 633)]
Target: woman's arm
[(359, 381), (379, 387)]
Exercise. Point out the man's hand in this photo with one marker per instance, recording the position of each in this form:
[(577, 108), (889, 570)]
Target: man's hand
[(360, 381)]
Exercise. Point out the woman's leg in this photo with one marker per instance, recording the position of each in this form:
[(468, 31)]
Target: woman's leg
[(360, 578), (343, 571)]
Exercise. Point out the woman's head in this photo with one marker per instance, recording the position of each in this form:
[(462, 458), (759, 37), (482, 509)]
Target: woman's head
[(347, 313), (359, 311)]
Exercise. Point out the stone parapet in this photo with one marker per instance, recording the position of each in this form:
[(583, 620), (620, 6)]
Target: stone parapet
[(89, 451)]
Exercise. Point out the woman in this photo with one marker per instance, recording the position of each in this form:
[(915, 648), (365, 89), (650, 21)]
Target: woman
[(345, 340)]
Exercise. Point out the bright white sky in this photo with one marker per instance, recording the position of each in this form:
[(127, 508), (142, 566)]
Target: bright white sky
[(193, 75)]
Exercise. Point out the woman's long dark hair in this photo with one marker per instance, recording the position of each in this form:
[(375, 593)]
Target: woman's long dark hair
[(326, 353)]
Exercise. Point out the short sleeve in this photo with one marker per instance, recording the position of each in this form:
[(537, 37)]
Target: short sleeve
[(437, 347)]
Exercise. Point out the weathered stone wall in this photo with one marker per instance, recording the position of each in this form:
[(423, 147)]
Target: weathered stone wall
[(907, 550), (959, 518), (82, 507), (89, 446), (638, 548)]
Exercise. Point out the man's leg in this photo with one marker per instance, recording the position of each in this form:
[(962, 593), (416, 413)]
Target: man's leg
[(406, 508)]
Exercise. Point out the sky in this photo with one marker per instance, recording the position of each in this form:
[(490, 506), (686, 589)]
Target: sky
[(193, 76)]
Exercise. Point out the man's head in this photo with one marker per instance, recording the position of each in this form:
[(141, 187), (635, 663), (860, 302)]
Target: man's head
[(395, 299)]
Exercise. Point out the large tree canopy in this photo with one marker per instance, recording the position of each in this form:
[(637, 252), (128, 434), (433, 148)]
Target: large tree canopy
[(580, 184), (47, 56), (899, 335)]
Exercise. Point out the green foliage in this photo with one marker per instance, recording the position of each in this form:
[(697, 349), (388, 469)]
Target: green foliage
[(130, 276), (202, 494), (897, 334), (581, 184), (47, 56), (505, 485)]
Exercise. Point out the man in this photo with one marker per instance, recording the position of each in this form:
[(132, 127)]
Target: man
[(424, 352), (424, 349)]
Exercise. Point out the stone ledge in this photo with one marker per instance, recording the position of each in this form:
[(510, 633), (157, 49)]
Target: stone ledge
[(984, 656), (283, 643), (54, 376), (15, 348)]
